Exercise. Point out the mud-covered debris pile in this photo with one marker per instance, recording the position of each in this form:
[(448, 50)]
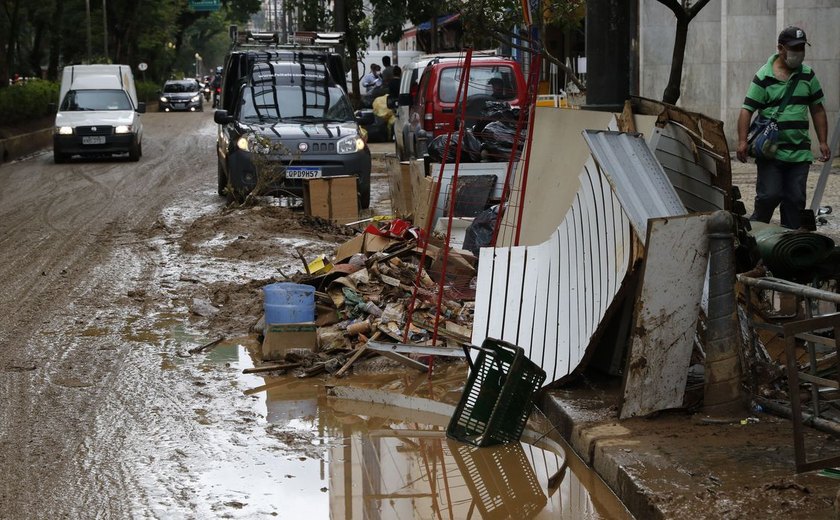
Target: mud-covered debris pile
[(366, 291)]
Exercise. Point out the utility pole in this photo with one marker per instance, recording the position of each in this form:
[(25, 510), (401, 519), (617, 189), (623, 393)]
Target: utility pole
[(87, 11)]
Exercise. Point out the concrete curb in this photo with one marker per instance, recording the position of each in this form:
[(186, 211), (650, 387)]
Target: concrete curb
[(24, 144), (672, 466)]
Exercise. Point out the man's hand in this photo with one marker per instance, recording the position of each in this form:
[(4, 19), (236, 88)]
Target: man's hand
[(742, 151), (825, 152)]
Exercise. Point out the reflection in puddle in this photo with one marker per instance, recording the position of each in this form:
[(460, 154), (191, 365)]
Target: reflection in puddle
[(353, 459)]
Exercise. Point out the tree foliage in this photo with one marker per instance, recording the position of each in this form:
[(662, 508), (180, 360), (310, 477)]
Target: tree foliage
[(42, 36)]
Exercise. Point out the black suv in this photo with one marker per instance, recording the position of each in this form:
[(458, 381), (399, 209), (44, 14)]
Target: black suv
[(289, 121)]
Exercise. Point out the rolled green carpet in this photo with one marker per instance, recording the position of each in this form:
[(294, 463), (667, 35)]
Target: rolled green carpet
[(788, 252)]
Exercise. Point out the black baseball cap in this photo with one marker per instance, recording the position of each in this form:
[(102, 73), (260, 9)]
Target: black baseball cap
[(792, 36)]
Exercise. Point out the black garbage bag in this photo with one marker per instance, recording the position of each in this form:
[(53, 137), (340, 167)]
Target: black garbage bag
[(470, 147), (497, 138), (496, 111), (480, 233)]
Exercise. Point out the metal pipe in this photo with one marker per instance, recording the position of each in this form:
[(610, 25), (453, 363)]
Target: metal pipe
[(785, 286), (722, 392), (807, 419)]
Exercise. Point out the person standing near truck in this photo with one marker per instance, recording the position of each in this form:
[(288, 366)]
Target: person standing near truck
[(372, 79), (782, 179)]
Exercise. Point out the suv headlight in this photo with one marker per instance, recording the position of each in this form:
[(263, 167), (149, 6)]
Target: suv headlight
[(164, 99), (351, 144), (195, 98), (256, 144), (64, 130), (122, 129)]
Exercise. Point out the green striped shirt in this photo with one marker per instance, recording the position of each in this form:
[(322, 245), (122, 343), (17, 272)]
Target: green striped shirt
[(766, 93)]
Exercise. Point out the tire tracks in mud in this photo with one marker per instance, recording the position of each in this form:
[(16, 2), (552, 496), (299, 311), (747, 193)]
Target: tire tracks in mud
[(73, 405)]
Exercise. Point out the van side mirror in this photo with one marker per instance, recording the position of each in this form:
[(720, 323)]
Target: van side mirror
[(405, 100), (141, 107), (221, 117)]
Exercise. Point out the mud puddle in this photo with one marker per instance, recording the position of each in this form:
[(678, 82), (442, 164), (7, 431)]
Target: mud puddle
[(350, 458)]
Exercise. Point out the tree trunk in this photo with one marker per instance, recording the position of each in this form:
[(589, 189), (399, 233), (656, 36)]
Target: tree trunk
[(11, 43), (55, 40), (672, 91)]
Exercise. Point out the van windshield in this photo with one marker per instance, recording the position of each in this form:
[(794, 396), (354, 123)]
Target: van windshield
[(498, 81), (76, 100), (294, 103)]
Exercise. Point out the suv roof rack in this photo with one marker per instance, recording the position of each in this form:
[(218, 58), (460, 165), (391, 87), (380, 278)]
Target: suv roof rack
[(299, 40)]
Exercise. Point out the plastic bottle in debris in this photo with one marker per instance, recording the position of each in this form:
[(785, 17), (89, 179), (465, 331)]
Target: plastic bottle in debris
[(371, 308)]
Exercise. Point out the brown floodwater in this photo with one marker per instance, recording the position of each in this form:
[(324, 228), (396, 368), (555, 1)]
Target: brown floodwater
[(358, 459)]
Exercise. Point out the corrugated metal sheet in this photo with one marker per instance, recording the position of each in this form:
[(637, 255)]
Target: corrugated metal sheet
[(691, 169), (550, 298), (639, 181)]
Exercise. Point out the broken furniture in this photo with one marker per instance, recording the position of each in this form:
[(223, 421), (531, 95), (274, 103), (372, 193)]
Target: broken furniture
[(819, 333)]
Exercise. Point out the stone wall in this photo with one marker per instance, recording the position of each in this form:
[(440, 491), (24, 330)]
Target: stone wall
[(727, 43)]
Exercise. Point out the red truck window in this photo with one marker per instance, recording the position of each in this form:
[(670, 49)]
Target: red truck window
[(496, 81)]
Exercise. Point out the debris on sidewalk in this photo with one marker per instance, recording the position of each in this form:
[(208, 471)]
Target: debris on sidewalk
[(362, 295)]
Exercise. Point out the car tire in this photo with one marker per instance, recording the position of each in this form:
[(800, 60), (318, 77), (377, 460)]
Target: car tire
[(221, 179), (60, 158), (134, 152)]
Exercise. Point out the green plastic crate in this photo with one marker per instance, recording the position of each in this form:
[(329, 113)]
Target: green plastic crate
[(498, 397)]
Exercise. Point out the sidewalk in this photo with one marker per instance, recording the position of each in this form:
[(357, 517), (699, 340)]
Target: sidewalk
[(676, 466)]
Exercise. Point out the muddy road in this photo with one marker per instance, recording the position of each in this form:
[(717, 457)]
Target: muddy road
[(113, 270)]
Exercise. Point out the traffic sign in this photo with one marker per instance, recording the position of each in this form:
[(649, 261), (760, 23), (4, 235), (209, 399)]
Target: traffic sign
[(205, 5), (142, 67)]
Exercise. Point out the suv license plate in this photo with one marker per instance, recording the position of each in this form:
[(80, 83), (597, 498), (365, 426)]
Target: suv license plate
[(300, 172), (93, 139)]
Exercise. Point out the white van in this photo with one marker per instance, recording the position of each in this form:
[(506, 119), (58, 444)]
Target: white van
[(98, 113)]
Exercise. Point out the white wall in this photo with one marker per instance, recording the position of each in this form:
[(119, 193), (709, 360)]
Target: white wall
[(727, 43)]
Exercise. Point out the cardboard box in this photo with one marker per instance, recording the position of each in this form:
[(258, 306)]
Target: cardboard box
[(364, 243), (401, 189), (281, 338), (332, 198)]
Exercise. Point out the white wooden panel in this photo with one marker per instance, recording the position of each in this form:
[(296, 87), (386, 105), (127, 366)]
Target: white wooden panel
[(665, 318), (483, 293), (564, 290), (540, 305), (529, 293), (513, 304), (498, 301), (554, 303), (567, 284)]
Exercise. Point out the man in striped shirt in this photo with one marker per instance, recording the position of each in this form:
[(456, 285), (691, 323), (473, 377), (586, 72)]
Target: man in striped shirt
[(782, 180)]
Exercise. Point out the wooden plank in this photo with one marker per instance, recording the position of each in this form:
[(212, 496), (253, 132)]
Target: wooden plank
[(423, 350), (483, 293), (407, 361), (525, 330), (513, 302), (540, 306), (356, 355), (553, 268), (665, 319), (382, 397), (498, 297), (564, 313)]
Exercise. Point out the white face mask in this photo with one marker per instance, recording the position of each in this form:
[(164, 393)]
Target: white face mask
[(794, 59)]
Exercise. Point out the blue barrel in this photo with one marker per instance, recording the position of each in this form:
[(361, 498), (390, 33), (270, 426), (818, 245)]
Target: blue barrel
[(289, 303)]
